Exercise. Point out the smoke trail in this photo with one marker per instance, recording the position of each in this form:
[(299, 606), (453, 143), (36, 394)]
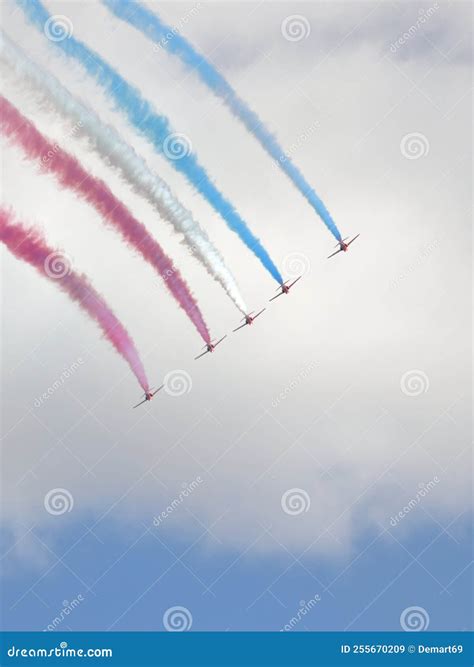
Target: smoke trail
[(72, 175), (170, 39), (119, 155), (28, 245), (141, 114)]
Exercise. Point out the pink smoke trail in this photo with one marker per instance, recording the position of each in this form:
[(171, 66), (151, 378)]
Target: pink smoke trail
[(72, 175), (28, 245)]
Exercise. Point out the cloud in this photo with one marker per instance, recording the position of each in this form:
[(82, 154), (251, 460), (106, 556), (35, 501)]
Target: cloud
[(310, 397)]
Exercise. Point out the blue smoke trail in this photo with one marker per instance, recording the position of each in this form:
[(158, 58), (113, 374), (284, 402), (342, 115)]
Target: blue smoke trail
[(141, 114), (152, 26)]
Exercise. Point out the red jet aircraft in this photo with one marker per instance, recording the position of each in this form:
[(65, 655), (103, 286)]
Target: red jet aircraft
[(285, 288), (248, 319), (210, 347), (148, 396), (343, 247)]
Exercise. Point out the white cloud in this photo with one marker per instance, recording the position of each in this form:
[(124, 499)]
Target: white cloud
[(346, 433)]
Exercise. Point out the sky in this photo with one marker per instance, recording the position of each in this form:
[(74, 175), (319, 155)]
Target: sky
[(315, 472)]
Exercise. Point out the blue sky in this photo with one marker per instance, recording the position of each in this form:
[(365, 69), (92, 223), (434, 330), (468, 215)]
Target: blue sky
[(227, 590)]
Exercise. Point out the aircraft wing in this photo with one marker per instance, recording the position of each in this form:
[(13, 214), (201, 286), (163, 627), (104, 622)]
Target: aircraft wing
[(220, 341), (335, 253), (201, 355), (262, 311), (276, 297), (355, 237), (159, 389), (241, 327), (141, 403), (294, 281)]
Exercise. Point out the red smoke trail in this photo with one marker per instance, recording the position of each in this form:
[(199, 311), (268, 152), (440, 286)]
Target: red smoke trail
[(28, 245), (72, 175)]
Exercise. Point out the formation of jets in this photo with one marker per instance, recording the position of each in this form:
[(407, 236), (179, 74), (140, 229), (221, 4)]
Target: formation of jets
[(251, 317)]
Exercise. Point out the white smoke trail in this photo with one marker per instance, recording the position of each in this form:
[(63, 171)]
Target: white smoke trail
[(119, 155)]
